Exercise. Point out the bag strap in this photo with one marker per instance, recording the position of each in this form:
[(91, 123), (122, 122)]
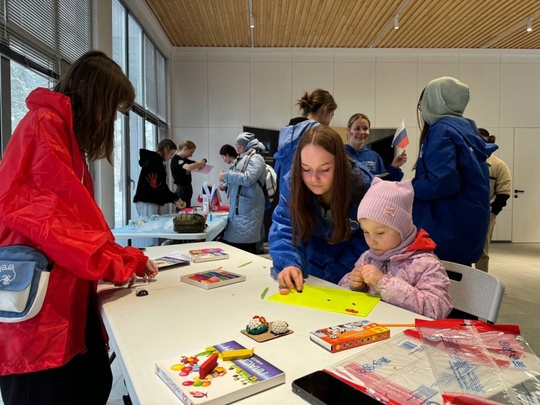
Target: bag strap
[(248, 156)]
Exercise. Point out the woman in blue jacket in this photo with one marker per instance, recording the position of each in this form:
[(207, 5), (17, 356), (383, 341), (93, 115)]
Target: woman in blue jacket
[(314, 227), (451, 184)]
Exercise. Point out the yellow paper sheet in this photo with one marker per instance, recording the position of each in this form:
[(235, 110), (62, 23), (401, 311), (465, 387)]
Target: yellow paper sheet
[(329, 299)]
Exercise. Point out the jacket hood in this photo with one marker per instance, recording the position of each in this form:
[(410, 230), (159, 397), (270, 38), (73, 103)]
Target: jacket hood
[(148, 156), (422, 242), (255, 144), (42, 97), (444, 97)]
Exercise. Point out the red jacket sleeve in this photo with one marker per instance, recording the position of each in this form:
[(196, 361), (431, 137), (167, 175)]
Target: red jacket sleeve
[(46, 197)]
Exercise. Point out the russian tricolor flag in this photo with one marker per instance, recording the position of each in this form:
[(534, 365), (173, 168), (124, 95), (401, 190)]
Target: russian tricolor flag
[(401, 140)]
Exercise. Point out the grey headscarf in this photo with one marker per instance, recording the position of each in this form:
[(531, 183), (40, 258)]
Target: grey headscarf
[(444, 97), (248, 141)]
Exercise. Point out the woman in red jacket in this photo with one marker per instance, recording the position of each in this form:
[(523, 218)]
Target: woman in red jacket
[(46, 201)]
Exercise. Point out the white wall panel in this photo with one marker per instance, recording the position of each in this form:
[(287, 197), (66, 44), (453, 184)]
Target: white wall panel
[(228, 94), (308, 77), (396, 94), (354, 91), (483, 80), (189, 95), (520, 95), (270, 92)]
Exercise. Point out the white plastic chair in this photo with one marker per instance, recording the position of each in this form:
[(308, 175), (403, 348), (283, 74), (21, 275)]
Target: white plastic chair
[(474, 291)]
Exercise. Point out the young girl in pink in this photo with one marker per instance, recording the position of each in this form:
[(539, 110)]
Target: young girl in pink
[(400, 265)]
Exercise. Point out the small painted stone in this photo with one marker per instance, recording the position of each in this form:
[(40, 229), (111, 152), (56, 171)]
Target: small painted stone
[(279, 327), (257, 325)]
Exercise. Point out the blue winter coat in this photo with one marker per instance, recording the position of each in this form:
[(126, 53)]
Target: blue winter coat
[(374, 163), (288, 140), (246, 211), (316, 256), (451, 189)]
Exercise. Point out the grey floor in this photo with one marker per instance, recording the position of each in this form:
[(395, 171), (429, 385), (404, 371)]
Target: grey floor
[(516, 265)]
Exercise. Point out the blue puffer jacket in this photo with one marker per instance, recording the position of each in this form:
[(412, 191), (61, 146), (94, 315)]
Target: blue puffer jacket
[(316, 256), (451, 189), (246, 212)]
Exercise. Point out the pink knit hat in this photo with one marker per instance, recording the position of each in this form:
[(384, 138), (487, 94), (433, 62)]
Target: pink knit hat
[(390, 203)]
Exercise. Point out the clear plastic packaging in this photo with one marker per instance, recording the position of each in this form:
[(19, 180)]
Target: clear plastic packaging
[(447, 362)]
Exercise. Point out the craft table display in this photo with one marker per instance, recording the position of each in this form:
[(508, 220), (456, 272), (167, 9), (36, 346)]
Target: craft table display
[(176, 317), (163, 228)]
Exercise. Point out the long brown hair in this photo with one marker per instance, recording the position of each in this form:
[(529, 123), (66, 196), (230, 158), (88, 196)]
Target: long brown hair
[(303, 213), (98, 89)]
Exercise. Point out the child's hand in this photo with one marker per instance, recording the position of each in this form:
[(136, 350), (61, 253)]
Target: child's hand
[(356, 281), (371, 274)]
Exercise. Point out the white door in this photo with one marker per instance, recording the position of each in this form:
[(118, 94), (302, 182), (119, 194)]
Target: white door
[(526, 186)]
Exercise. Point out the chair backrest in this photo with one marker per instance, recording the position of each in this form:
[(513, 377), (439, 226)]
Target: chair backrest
[(474, 291)]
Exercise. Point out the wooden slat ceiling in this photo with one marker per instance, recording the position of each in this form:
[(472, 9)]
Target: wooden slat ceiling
[(475, 24)]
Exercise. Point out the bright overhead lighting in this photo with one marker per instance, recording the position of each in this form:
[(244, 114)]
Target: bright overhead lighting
[(396, 22), (251, 21), (529, 25)]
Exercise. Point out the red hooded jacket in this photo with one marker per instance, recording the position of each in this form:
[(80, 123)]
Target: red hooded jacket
[(46, 201)]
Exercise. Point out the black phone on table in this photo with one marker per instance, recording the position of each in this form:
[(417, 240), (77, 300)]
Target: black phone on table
[(322, 388)]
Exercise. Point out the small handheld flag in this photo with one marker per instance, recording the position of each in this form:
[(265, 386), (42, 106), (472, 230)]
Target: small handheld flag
[(401, 140)]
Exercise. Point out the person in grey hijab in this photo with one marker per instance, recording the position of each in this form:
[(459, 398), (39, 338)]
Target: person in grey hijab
[(451, 183), (246, 196)]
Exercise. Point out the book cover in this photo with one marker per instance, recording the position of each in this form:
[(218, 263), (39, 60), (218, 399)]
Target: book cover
[(227, 382), (349, 335), (170, 260), (207, 255), (212, 278)]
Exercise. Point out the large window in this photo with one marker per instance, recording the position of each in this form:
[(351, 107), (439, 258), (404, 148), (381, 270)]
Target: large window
[(23, 81), (39, 39), (147, 122)]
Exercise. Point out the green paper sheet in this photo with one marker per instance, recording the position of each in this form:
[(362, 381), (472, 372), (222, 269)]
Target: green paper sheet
[(329, 299)]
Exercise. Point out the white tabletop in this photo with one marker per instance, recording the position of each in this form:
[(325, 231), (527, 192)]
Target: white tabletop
[(163, 228), (176, 317)]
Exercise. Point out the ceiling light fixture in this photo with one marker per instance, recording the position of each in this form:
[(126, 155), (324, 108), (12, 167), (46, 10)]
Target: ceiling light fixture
[(396, 22), (251, 24), (529, 25)]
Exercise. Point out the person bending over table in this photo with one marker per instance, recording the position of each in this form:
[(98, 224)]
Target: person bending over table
[(400, 265), (314, 227)]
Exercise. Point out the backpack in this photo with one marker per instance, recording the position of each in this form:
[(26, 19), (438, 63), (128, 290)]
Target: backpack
[(270, 185)]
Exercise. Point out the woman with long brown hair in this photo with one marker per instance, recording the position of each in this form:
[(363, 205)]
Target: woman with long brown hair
[(314, 227), (46, 202)]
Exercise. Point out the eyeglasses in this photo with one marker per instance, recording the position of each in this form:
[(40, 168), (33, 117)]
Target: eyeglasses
[(419, 106)]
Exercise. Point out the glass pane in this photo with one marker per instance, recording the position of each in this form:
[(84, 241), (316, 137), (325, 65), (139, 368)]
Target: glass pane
[(119, 172), (150, 76), (135, 52), (161, 78), (119, 34), (150, 138), (136, 143), (23, 81)]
